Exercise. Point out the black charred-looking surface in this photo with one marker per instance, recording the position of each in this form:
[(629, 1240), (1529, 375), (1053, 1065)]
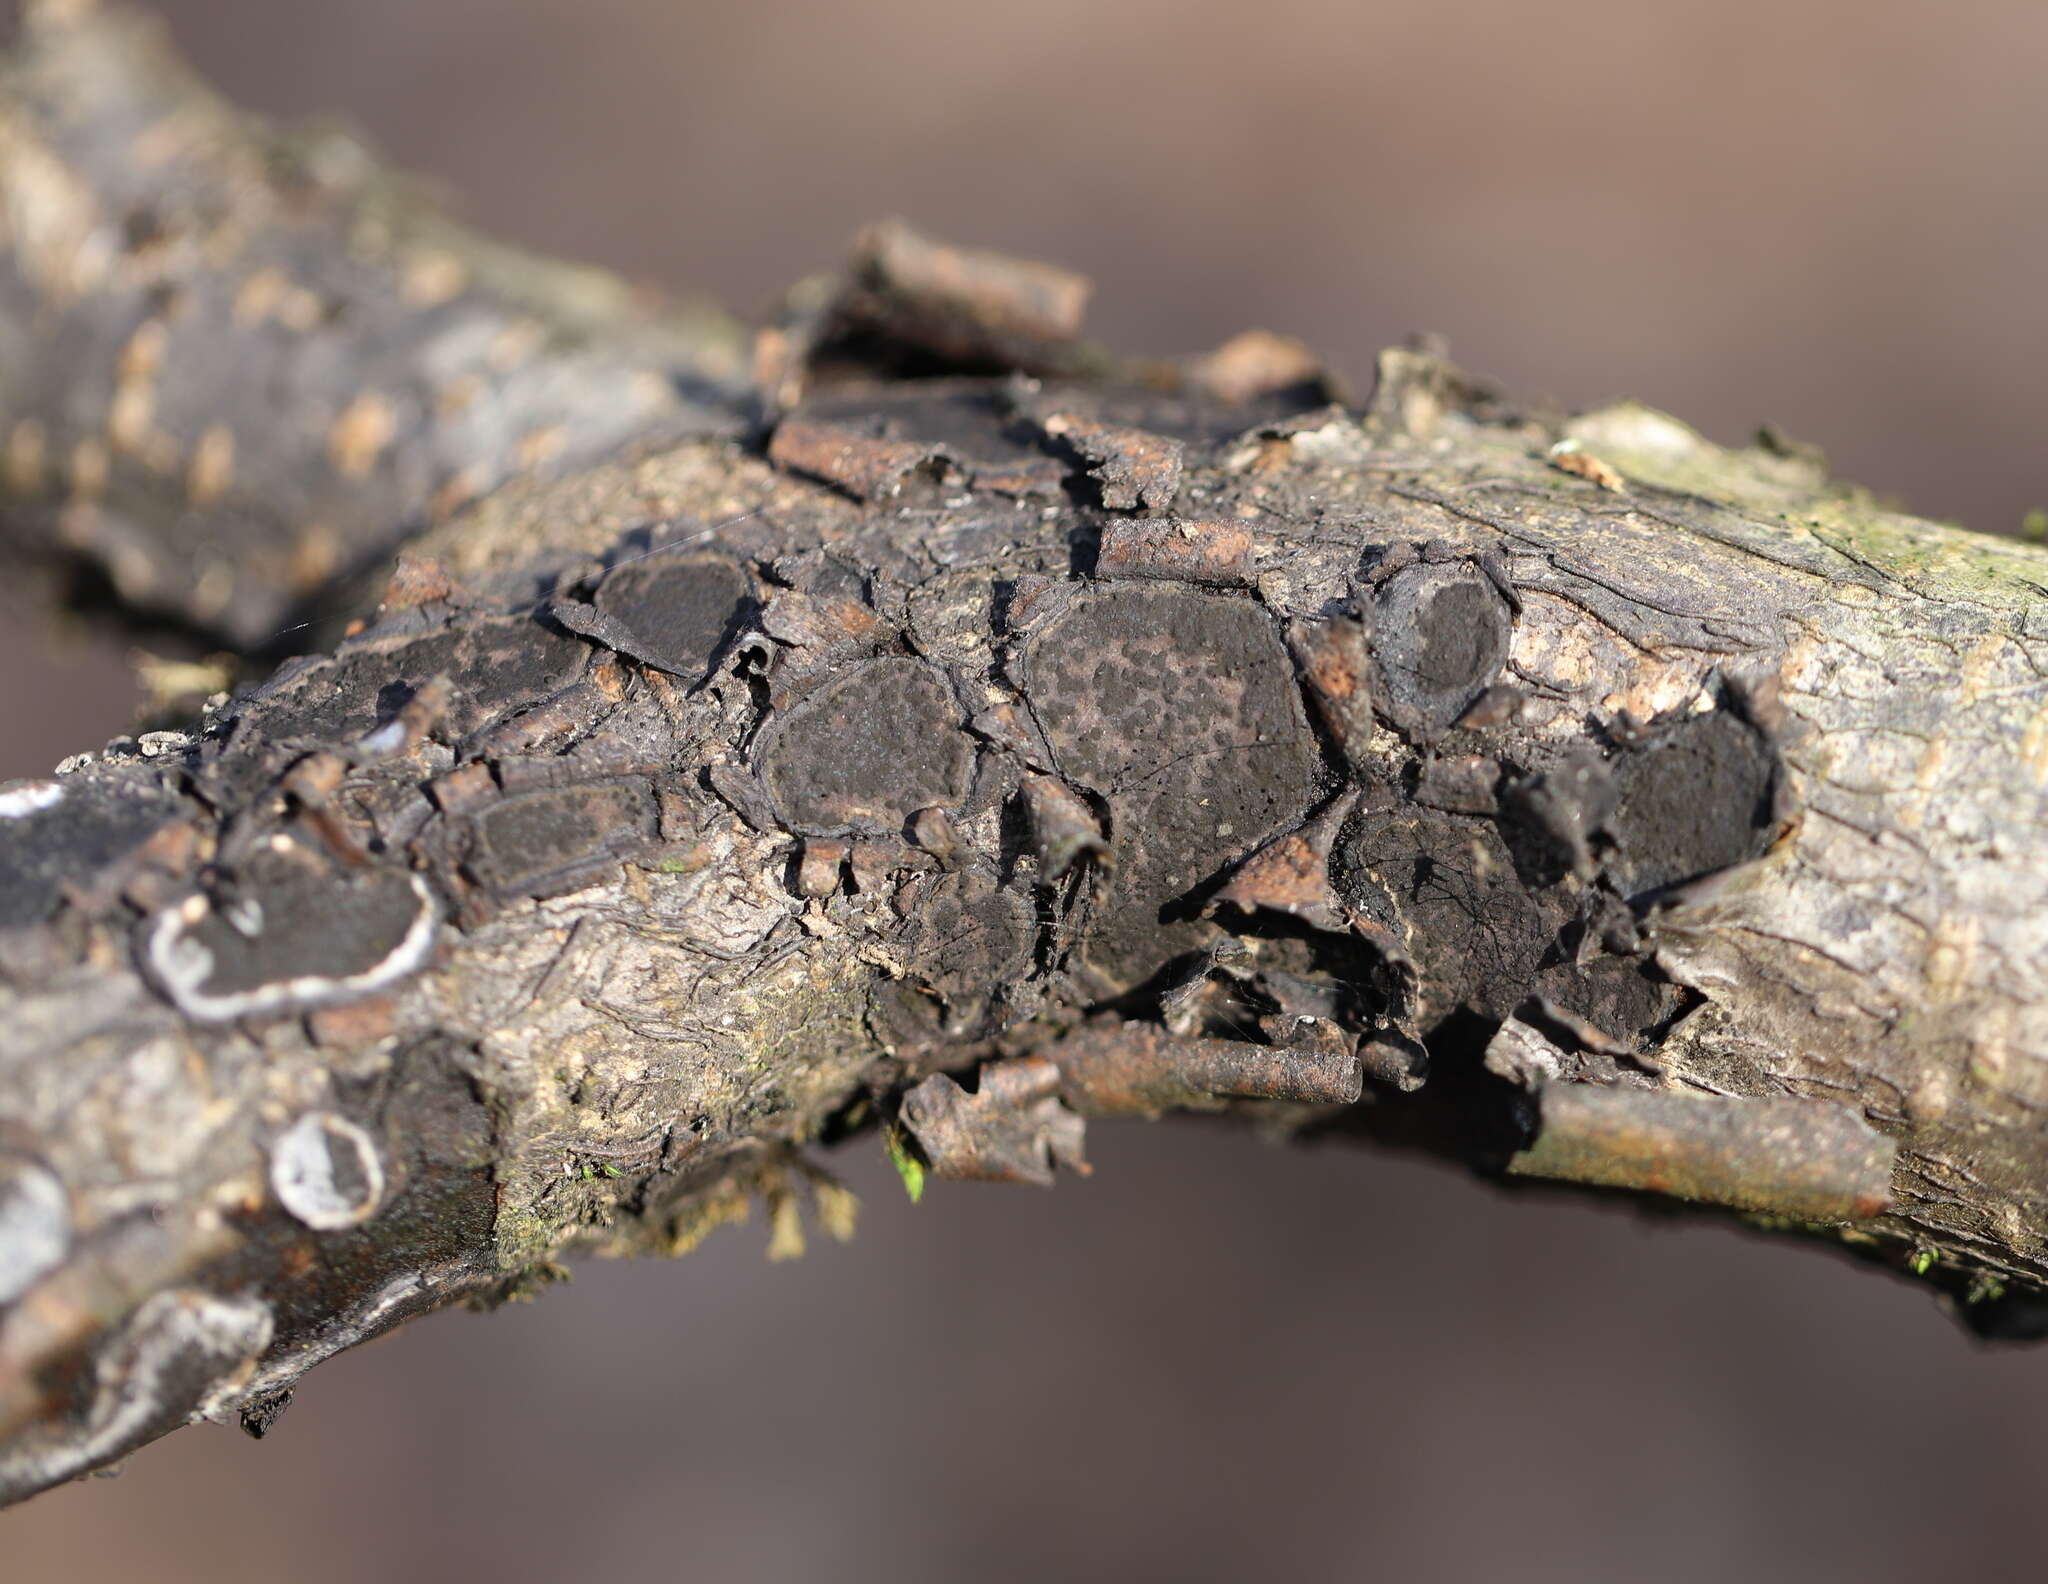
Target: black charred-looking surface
[(1537, 907), (1440, 636), (502, 662), (67, 831), (286, 916), (1554, 817), (1693, 797), (973, 941), (1002, 436), (433, 1137), (1446, 888), (680, 612), (537, 842), (979, 793), (1181, 710), (868, 750)]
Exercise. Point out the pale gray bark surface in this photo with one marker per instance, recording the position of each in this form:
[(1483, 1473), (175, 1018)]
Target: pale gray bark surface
[(1134, 737)]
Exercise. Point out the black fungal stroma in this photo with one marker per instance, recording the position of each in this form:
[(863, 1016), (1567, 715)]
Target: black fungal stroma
[(867, 750), (1182, 711)]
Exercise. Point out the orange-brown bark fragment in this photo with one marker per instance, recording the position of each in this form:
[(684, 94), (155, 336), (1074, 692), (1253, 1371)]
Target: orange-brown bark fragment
[(1587, 466), (1063, 828), (1010, 296), (819, 867), (1291, 874), (816, 621), (1111, 1068), (1810, 1159), (461, 791), (1135, 469), (356, 1026), (1013, 1128), (417, 580), (1336, 661), (1218, 553), (865, 467)]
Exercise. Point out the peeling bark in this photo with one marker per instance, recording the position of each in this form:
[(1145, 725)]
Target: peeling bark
[(1572, 796)]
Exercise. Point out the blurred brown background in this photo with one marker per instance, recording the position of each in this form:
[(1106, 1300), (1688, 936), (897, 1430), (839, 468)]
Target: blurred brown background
[(1212, 1361)]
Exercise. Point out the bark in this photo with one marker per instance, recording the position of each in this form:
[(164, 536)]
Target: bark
[(963, 755), (238, 366)]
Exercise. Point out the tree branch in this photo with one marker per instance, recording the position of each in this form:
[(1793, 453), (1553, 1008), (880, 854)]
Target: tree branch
[(1575, 799), (242, 366)]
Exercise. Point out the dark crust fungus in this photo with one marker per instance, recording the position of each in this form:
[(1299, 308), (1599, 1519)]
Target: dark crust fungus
[(1439, 637), (1445, 888), (326, 1171), (288, 931), (177, 1348), (975, 936), (1180, 709), (675, 613), (101, 825), (867, 750), (419, 1135), (1692, 797), (537, 843), (493, 665), (927, 779)]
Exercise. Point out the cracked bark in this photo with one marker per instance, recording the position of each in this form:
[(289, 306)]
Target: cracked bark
[(1567, 796)]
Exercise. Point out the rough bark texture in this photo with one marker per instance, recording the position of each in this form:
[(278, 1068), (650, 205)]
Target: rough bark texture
[(235, 367), (1571, 797)]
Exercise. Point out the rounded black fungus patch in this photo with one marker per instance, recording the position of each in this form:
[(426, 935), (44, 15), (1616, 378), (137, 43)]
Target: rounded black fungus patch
[(868, 750), (681, 610), (1447, 888), (289, 931), (1440, 637), (1553, 819), (537, 842), (69, 830), (1621, 996), (1695, 797), (972, 939), (1181, 710)]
